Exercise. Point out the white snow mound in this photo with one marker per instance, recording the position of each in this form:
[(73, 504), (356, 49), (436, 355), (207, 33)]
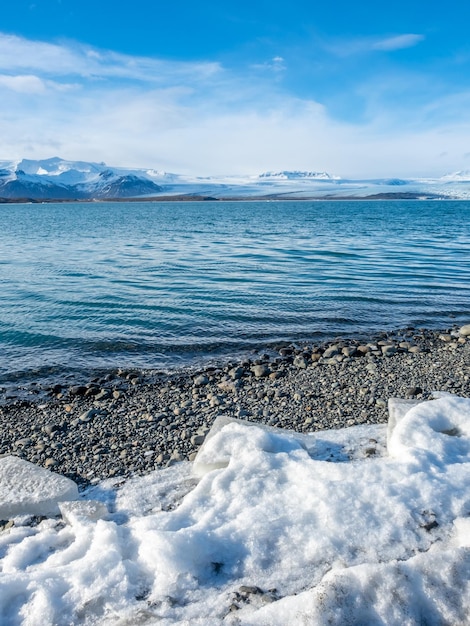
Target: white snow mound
[(356, 529)]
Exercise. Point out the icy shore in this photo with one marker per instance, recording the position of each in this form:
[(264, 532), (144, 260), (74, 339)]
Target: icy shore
[(265, 527), (132, 422), (301, 506)]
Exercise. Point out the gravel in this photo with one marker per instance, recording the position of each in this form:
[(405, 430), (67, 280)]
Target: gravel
[(132, 422)]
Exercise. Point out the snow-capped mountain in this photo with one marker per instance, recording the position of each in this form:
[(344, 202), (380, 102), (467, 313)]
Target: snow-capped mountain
[(296, 175), (463, 176), (59, 179), (56, 178)]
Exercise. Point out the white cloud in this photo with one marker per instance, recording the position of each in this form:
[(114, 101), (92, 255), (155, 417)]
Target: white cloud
[(159, 130), (33, 85), (23, 84), (278, 64), (398, 43), (200, 118)]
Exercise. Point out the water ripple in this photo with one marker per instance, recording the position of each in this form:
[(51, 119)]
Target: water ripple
[(151, 284)]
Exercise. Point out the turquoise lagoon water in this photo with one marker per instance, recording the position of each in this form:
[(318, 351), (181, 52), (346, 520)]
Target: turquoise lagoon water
[(159, 285)]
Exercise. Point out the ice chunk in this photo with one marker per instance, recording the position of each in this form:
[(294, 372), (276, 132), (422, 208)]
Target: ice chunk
[(397, 409), (83, 510), (210, 456), (26, 489)]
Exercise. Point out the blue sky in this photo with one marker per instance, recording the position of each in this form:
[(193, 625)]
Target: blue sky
[(354, 88)]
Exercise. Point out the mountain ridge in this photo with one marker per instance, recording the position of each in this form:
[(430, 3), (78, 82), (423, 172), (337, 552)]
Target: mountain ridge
[(57, 179)]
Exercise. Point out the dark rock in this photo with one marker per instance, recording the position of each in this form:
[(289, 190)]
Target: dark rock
[(260, 370), (412, 392)]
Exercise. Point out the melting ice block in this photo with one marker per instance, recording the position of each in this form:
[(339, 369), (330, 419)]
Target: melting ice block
[(397, 409), (216, 456), (26, 489)]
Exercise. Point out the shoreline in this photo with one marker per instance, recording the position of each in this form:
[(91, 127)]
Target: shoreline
[(284, 197), (134, 421)]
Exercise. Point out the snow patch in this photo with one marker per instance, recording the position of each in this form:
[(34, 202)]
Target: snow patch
[(340, 532)]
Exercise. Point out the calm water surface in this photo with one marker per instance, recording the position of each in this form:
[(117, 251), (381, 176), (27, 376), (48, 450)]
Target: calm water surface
[(164, 284)]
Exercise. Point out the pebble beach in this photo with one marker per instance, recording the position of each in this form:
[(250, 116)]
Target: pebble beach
[(128, 423)]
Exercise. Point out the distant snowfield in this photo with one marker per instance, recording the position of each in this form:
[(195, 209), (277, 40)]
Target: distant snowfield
[(56, 178), (267, 527)]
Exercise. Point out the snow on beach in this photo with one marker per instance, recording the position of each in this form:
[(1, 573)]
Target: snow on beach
[(266, 527)]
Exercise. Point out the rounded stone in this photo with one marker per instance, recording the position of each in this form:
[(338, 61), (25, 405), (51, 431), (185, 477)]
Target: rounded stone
[(50, 428), (236, 373), (260, 370), (104, 394), (87, 415), (200, 380), (331, 352), (465, 330), (300, 361), (445, 337)]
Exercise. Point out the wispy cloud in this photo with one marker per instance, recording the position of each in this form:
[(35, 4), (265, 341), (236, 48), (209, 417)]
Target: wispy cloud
[(276, 64), (398, 42), (203, 118), (72, 59), (366, 45)]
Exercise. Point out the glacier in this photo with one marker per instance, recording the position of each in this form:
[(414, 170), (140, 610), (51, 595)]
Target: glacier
[(59, 179)]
